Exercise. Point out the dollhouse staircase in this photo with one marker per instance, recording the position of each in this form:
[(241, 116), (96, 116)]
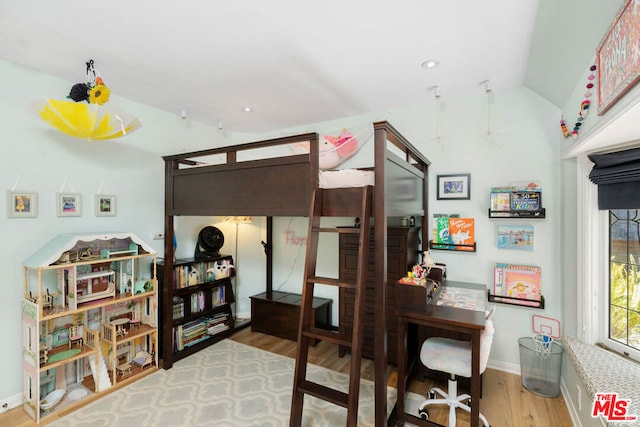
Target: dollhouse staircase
[(307, 332), (101, 374)]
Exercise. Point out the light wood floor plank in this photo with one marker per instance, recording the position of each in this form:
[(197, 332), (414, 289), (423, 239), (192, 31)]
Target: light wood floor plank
[(505, 402)]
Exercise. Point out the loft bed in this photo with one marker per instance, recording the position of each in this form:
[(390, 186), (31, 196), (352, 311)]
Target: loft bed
[(283, 185)]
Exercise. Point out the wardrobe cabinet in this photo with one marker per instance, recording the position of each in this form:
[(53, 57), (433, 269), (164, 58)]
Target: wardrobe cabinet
[(402, 253)]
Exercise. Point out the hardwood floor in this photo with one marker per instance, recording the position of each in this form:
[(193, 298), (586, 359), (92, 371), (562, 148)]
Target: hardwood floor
[(505, 402)]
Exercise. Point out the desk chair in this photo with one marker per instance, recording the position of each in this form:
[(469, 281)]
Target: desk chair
[(454, 357)]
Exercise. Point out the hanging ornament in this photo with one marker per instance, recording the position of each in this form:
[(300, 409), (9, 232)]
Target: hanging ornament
[(584, 109), (85, 115)]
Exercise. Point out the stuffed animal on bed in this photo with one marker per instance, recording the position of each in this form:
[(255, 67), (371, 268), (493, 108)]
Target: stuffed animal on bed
[(333, 149)]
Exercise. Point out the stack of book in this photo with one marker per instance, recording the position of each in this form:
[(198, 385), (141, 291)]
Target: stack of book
[(190, 334), (217, 323)]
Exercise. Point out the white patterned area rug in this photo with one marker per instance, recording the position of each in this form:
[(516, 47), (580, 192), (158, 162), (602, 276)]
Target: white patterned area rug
[(226, 384)]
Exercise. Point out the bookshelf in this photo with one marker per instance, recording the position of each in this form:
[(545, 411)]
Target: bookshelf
[(515, 202), (196, 306)]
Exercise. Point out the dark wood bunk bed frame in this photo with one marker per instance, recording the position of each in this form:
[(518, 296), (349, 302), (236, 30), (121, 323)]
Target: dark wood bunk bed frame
[(283, 186)]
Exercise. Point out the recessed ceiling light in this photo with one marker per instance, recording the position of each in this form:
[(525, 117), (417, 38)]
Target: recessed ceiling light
[(247, 109), (429, 63)]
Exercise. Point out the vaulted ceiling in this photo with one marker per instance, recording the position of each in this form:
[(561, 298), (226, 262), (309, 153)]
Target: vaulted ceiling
[(296, 62)]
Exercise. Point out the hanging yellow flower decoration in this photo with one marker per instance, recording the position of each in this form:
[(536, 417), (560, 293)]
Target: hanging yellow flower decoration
[(99, 94)]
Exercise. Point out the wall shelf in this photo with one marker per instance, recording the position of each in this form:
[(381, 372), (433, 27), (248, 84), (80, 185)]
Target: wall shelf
[(538, 213), (452, 247), (523, 302)]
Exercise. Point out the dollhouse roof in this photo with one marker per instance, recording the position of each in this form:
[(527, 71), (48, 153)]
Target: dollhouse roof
[(53, 250)]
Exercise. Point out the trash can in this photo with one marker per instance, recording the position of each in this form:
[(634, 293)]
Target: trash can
[(540, 365)]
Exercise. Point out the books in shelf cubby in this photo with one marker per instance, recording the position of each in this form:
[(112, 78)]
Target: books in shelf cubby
[(196, 305), (450, 232), (516, 201)]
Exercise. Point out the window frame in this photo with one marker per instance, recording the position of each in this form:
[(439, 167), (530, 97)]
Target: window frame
[(613, 344), (593, 266)]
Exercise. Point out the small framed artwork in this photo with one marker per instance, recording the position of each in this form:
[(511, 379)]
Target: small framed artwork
[(22, 204), (515, 237), (454, 187), (69, 204), (105, 205)]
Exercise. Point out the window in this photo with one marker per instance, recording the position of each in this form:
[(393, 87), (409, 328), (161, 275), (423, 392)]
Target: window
[(624, 281)]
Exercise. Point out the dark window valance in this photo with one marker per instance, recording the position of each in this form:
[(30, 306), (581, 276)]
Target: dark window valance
[(618, 178)]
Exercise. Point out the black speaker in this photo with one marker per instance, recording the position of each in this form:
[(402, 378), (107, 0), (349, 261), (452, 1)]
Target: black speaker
[(210, 240)]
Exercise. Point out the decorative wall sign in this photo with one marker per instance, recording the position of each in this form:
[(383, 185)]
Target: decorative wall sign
[(618, 59)]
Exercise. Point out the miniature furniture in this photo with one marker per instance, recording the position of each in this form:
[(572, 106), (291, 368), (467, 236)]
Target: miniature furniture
[(44, 355), (435, 314), (120, 324), (75, 336), (135, 319), (454, 357), (47, 300), (124, 369), (142, 359)]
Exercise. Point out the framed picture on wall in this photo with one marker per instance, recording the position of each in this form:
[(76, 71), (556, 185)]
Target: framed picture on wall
[(454, 187), (105, 205), (22, 204), (618, 59), (69, 204)]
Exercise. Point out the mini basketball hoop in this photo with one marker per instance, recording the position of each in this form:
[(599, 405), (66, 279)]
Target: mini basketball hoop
[(545, 329), (543, 344)]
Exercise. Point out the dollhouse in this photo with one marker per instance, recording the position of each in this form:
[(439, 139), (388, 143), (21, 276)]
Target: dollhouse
[(88, 318)]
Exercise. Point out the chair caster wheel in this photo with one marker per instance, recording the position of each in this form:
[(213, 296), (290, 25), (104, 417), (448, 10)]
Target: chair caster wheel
[(424, 414), (432, 394)]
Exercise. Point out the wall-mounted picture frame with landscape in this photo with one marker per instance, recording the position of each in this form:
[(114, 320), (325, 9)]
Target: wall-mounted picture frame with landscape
[(105, 205), (454, 187), (22, 204), (69, 204)]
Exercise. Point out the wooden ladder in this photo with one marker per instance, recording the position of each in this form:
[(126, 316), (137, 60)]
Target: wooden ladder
[(307, 332)]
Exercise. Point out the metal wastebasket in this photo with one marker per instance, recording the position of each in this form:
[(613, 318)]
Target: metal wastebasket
[(540, 365)]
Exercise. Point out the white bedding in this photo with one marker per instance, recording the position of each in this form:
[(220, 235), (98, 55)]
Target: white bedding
[(345, 178)]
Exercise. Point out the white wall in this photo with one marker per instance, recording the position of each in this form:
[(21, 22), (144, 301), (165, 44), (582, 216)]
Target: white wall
[(131, 168), (523, 145)]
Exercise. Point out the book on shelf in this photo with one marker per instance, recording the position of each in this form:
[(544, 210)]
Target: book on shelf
[(453, 231), (518, 281), (217, 296), (526, 201), (178, 308), (197, 302), (461, 232), (500, 201)]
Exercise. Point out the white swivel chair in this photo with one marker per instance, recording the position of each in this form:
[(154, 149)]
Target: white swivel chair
[(454, 357)]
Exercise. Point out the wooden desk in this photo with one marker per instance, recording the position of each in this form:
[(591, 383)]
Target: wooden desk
[(465, 321)]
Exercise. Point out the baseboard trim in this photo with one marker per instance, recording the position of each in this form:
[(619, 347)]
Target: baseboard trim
[(10, 402)]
